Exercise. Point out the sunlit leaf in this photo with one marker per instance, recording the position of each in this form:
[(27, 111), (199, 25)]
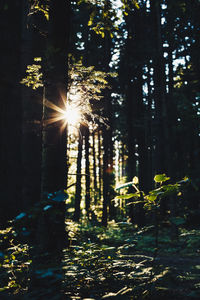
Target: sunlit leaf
[(135, 180), (127, 196), (127, 184), (151, 197), (161, 178), (135, 202)]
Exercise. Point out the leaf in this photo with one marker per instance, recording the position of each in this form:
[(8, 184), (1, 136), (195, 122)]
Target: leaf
[(20, 216), (151, 198), (37, 59), (184, 180), (135, 180), (127, 184), (47, 207), (3, 289), (89, 22), (136, 4), (161, 178), (60, 197), (135, 202), (127, 196)]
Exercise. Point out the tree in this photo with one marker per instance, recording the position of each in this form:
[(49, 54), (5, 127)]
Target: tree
[(10, 111), (87, 171), (54, 139), (77, 212)]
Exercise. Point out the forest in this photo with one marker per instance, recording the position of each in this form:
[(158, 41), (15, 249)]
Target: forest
[(100, 149)]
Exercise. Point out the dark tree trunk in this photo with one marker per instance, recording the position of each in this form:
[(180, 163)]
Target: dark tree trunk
[(94, 167), (77, 212), (162, 137), (107, 132), (111, 192), (150, 133), (142, 145), (131, 137), (10, 110), (32, 46), (87, 171), (99, 165), (105, 177), (54, 139)]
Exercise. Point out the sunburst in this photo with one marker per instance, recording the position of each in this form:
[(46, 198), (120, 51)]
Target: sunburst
[(70, 114)]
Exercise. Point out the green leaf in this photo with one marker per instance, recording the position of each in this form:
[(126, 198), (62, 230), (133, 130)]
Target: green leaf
[(135, 202), (3, 289), (161, 178), (128, 196), (152, 197)]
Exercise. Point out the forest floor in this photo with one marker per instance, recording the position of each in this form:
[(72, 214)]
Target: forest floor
[(120, 262)]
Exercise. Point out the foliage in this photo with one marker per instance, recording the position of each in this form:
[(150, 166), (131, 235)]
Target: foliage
[(118, 261), (152, 199), (113, 262), (40, 6), (14, 262), (104, 24), (34, 75), (85, 86), (129, 5)]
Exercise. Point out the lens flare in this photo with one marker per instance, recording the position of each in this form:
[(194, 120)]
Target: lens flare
[(71, 115), (68, 112)]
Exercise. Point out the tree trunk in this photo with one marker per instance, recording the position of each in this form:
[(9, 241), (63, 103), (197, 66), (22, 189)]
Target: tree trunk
[(162, 137), (11, 171), (55, 139), (99, 165), (87, 171), (77, 212), (105, 177), (94, 167), (32, 46)]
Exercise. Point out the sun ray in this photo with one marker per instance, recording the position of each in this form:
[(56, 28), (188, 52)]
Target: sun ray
[(63, 98), (53, 106), (53, 120), (68, 114), (63, 126)]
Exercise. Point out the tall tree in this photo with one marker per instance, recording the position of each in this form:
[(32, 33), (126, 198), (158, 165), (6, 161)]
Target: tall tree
[(77, 212), (87, 171), (10, 110), (55, 139)]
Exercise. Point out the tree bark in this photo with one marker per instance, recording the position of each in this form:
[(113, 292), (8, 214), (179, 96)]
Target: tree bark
[(54, 139), (11, 171), (77, 212), (87, 171), (99, 165), (94, 167), (105, 178)]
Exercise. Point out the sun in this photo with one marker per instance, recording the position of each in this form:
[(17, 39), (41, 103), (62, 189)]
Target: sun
[(71, 115)]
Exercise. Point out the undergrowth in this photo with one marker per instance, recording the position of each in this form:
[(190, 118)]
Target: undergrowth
[(117, 262)]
